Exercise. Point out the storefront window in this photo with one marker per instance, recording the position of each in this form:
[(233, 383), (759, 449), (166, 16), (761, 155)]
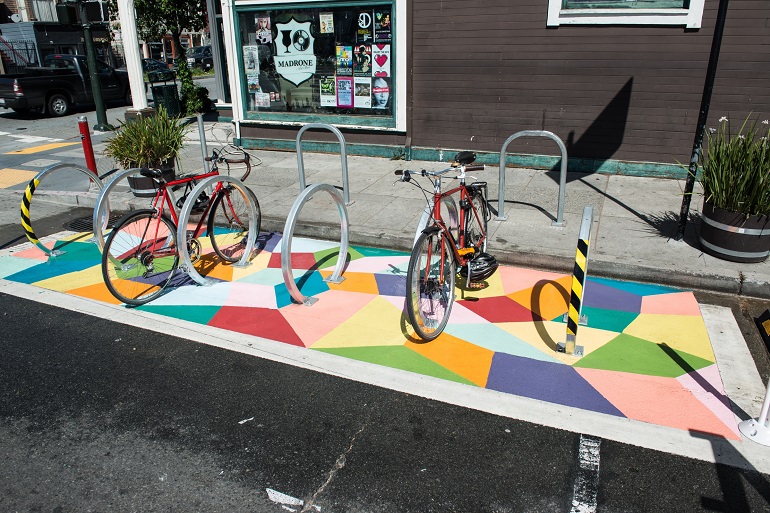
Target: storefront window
[(320, 61)]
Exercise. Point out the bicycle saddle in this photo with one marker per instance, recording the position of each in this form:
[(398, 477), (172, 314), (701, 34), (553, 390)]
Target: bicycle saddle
[(465, 157), (151, 173)]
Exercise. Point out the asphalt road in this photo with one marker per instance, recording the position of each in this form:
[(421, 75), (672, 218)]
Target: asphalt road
[(99, 416)]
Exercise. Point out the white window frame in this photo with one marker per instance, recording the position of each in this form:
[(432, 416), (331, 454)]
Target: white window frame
[(690, 18), (400, 29)]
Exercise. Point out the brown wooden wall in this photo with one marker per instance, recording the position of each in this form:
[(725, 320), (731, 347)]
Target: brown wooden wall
[(485, 69)]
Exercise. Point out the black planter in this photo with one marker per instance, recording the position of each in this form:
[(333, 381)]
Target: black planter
[(144, 187), (734, 237)]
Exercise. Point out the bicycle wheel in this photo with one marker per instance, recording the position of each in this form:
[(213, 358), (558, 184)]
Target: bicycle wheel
[(474, 230), (430, 285), (228, 225), (140, 257)]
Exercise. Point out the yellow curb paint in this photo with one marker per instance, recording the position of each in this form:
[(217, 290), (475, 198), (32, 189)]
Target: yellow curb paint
[(38, 149)]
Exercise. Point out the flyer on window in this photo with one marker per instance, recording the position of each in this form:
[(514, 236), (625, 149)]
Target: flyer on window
[(365, 26), (327, 22), (251, 60), (345, 92), (382, 29), (264, 36), (345, 60), (328, 92), (381, 60), (262, 99), (363, 93), (362, 60)]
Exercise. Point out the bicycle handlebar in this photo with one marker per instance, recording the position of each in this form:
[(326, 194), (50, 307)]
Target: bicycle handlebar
[(218, 157), (407, 173)]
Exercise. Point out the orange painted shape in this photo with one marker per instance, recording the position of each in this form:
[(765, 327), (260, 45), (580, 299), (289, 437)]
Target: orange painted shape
[(97, 291), (354, 282), (661, 401), (548, 298), (677, 303), (468, 360)]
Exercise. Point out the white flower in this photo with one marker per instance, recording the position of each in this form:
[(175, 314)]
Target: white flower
[(741, 136), (712, 130), (723, 119), (765, 122)]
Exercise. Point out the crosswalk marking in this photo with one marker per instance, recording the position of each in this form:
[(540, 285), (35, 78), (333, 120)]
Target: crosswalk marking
[(30, 138)]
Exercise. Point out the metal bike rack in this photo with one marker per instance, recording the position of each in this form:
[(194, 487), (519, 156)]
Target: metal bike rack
[(288, 233), (574, 316), (343, 158), (26, 221), (184, 218), (562, 175), (102, 207)]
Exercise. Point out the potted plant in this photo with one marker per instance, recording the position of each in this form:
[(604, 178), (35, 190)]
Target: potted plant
[(148, 141), (735, 175)]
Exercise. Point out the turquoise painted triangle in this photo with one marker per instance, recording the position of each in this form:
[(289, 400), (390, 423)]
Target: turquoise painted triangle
[(198, 314), (599, 318), (626, 353), (309, 284), (79, 250), (640, 289), (494, 338), (398, 357), (379, 252)]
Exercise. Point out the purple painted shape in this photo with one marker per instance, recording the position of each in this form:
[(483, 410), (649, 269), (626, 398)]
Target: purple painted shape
[(599, 295), (391, 284), (268, 241), (547, 381)]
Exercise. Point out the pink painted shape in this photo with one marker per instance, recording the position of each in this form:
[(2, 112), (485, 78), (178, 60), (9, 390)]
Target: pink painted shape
[(373, 264), (661, 401), (515, 278), (333, 308), (676, 303), (706, 385), (251, 295), (35, 253)]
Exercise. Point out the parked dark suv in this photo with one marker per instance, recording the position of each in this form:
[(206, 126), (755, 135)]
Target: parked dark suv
[(200, 57)]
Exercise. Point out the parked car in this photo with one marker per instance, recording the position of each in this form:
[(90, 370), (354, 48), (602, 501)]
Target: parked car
[(149, 65), (63, 81), (200, 57)]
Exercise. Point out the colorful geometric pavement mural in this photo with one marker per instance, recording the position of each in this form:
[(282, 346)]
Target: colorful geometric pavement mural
[(647, 353)]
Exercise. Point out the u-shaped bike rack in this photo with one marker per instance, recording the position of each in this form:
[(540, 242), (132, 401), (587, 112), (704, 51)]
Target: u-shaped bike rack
[(26, 221), (288, 232), (562, 175), (343, 158)]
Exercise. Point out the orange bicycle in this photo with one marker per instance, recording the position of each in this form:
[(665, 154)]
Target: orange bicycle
[(441, 250), (141, 256)]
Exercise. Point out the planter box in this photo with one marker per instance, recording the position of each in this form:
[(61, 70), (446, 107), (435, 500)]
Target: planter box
[(734, 237), (143, 187)]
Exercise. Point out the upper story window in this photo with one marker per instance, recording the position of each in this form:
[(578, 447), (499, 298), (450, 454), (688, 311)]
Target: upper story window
[(320, 62), (686, 13)]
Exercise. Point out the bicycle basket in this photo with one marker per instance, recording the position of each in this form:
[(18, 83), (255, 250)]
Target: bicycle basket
[(483, 266)]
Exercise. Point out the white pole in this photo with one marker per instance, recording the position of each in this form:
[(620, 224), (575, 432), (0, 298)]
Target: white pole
[(756, 429), (131, 51)]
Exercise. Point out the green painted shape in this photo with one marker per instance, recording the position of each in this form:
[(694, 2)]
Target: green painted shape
[(200, 314), (380, 252), (601, 319), (397, 357), (328, 257), (626, 353)]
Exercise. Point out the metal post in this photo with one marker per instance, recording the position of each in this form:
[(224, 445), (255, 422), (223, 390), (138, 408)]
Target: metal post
[(96, 85), (756, 429), (85, 138), (204, 149), (579, 274)]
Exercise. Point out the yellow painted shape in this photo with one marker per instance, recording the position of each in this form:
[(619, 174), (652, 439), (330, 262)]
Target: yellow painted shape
[(10, 177), (468, 360), (551, 297), (681, 332), (38, 149), (544, 336), (354, 282), (258, 263), (210, 266), (73, 280), (494, 287), (376, 324)]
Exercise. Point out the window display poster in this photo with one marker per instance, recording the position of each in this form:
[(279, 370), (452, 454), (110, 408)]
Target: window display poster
[(381, 60), (328, 92), (264, 36), (344, 60), (262, 99), (382, 27), (380, 93), (365, 23), (363, 94), (253, 83), (327, 22), (362, 63), (345, 92), (251, 60)]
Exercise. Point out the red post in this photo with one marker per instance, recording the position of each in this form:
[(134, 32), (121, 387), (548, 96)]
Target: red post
[(88, 149)]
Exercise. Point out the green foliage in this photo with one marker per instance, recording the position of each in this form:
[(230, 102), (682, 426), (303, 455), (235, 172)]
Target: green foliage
[(195, 99), (148, 141), (735, 169), (156, 18)]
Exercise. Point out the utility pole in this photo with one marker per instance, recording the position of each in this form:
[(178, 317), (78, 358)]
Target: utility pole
[(96, 85)]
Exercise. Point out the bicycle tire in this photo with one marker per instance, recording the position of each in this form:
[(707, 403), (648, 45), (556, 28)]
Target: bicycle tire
[(131, 270), (228, 223), (430, 285), (474, 231)]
